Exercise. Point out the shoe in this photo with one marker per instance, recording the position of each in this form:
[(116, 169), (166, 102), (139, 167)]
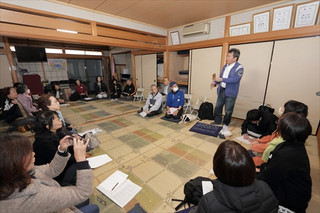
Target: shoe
[(221, 136), (226, 131)]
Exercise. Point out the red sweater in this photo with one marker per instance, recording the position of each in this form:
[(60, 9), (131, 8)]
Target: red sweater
[(80, 89)]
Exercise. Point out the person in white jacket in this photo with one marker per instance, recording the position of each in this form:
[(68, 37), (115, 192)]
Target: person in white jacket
[(153, 104)]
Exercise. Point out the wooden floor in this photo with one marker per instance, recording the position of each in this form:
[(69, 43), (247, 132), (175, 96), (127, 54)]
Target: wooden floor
[(157, 155)]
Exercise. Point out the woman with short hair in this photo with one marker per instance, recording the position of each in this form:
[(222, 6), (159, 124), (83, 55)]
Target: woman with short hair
[(236, 189)]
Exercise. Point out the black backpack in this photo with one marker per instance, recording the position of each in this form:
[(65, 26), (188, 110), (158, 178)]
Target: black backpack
[(75, 97), (206, 111), (192, 191)]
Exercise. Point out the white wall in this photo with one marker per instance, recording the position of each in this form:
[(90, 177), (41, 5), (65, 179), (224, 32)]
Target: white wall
[(85, 14), (217, 25)]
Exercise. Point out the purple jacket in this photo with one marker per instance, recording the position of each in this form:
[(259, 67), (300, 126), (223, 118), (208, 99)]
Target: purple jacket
[(233, 80), (26, 102)]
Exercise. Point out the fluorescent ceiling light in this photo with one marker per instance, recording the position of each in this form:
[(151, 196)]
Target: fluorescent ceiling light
[(55, 51), (93, 53), (12, 48), (67, 31), (75, 52)]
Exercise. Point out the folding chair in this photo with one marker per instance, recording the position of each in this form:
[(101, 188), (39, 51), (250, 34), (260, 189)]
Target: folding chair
[(196, 107), (139, 94), (187, 102)]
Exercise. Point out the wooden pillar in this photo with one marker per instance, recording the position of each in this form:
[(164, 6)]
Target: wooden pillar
[(43, 71), (166, 61), (133, 67), (13, 69), (94, 28), (225, 46)]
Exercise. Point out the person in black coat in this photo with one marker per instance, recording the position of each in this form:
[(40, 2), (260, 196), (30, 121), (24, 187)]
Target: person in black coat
[(47, 139), (128, 91), (287, 171), (115, 89), (100, 88), (236, 189), (259, 123)]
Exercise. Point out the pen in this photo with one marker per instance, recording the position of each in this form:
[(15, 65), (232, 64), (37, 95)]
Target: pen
[(114, 186)]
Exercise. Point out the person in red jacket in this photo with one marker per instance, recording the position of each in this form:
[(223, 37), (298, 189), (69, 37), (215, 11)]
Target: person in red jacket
[(81, 89)]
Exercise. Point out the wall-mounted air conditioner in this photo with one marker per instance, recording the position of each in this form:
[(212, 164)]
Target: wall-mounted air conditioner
[(196, 29)]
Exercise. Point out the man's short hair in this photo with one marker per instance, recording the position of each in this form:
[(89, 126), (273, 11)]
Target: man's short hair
[(294, 128), (233, 165), (254, 115), (235, 52), (297, 107)]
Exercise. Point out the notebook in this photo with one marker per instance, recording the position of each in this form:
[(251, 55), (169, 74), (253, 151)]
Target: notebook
[(119, 188)]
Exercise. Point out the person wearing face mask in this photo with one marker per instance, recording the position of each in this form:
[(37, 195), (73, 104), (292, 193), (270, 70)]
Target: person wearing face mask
[(229, 82), (175, 102), (25, 99), (153, 103), (258, 124)]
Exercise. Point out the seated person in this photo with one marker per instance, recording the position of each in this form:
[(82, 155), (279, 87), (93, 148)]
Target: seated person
[(100, 88), (81, 89), (28, 188), (115, 89), (262, 147), (175, 102), (236, 188), (153, 103), (287, 170), (166, 89), (47, 139), (128, 91), (26, 100), (14, 113), (58, 93), (259, 123)]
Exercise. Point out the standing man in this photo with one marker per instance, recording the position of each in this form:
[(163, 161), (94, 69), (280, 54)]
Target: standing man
[(229, 82)]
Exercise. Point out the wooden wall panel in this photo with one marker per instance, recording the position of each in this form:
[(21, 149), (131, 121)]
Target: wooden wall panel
[(295, 75), (204, 63), (255, 58)]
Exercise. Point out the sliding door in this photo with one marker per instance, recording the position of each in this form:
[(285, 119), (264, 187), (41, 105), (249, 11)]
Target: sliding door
[(295, 75), (204, 62), (146, 71), (255, 58)]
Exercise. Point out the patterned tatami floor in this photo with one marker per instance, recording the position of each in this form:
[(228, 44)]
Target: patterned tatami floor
[(159, 156)]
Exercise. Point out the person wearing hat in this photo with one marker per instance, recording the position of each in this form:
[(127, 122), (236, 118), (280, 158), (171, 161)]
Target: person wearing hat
[(175, 102)]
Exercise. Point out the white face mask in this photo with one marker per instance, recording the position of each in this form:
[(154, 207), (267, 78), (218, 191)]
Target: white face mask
[(175, 89), (280, 111), (28, 91)]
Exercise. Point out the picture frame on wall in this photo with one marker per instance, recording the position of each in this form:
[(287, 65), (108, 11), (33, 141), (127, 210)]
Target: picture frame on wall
[(175, 38), (240, 29), (260, 22), (306, 14), (282, 17)]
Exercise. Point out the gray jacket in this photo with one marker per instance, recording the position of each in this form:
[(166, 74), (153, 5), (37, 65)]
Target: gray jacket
[(44, 194), (154, 102)]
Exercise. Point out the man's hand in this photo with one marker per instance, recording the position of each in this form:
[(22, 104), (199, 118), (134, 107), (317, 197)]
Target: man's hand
[(64, 143), (148, 112), (218, 79), (79, 149), (245, 136), (175, 113)]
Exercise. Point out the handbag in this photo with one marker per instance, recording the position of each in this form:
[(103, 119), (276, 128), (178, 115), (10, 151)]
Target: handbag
[(93, 141)]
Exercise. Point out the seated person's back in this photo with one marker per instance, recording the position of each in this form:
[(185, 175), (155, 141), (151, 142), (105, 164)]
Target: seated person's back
[(236, 189), (259, 123)]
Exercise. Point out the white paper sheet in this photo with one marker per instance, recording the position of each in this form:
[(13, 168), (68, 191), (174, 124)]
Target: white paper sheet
[(64, 104), (123, 193), (241, 139), (93, 131), (172, 110), (143, 114), (206, 187), (99, 160)]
